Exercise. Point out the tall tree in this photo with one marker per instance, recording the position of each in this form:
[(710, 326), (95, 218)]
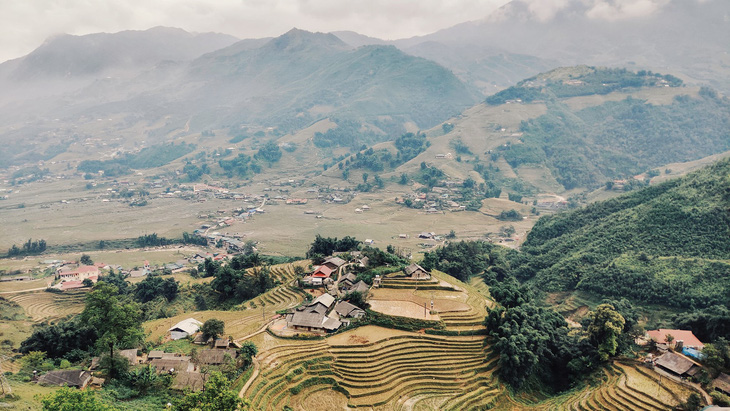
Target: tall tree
[(116, 319), (605, 329)]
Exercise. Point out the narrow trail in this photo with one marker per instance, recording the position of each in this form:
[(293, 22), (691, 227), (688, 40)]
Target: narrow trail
[(252, 378)]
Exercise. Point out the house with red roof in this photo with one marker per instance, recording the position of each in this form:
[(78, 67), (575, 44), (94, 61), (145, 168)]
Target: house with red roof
[(687, 338), (322, 271), (84, 271)]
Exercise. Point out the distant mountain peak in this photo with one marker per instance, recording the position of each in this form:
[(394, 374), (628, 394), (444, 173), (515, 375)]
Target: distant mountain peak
[(297, 38)]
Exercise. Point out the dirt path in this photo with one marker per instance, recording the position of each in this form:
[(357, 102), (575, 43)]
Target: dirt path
[(251, 379), (259, 331)]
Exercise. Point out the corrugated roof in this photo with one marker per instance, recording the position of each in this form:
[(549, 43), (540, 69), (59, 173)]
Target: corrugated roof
[(307, 319), (413, 268), (190, 326), (71, 378), (345, 309), (335, 260), (325, 299), (675, 363), (214, 357)]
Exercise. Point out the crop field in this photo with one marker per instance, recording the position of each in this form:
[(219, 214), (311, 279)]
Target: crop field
[(622, 387), (376, 367), (42, 306)]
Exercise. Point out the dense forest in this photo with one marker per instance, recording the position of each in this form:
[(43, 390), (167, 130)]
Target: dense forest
[(667, 244)]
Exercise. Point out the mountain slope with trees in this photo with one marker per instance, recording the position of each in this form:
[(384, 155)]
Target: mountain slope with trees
[(667, 244)]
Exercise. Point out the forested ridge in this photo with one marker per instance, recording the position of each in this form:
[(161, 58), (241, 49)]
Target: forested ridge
[(666, 244)]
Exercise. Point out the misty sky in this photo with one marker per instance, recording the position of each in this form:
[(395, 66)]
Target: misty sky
[(25, 24)]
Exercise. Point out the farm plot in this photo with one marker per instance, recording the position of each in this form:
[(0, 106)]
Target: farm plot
[(623, 387), (381, 368), (382, 373), (402, 309), (41, 305)]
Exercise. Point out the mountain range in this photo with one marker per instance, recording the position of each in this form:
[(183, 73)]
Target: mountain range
[(166, 79)]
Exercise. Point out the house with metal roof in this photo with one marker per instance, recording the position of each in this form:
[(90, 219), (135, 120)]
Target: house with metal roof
[(416, 272), (66, 378), (677, 364), (185, 328)]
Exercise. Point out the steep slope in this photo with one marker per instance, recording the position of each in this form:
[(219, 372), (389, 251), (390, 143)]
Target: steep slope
[(300, 77), (667, 244)]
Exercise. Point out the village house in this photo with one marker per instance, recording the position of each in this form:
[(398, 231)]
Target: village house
[(347, 310), (179, 364), (678, 365), (360, 287), (334, 263), (66, 378), (215, 357), (185, 328), (682, 338), (313, 317), (322, 272), (348, 280), (416, 272)]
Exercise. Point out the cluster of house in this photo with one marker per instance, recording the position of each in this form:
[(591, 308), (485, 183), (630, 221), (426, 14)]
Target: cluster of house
[(439, 199), (188, 372), (682, 361), (322, 315)]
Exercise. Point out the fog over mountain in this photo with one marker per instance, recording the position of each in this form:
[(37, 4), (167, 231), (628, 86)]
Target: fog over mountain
[(687, 36)]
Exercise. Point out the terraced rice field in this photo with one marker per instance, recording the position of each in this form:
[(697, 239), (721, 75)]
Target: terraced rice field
[(624, 387), (389, 372), (42, 306), (251, 316), (378, 367)]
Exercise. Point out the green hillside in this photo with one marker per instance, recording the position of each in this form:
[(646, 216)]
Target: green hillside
[(615, 139), (667, 244)]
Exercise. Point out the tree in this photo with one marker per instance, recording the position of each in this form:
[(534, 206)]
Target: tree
[(153, 286), (143, 379), (86, 260), (212, 328), (87, 282), (117, 320), (669, 338), (71, 399), (403, 179), (216, 396), (605, 329), (248, 349), (365, 178)]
